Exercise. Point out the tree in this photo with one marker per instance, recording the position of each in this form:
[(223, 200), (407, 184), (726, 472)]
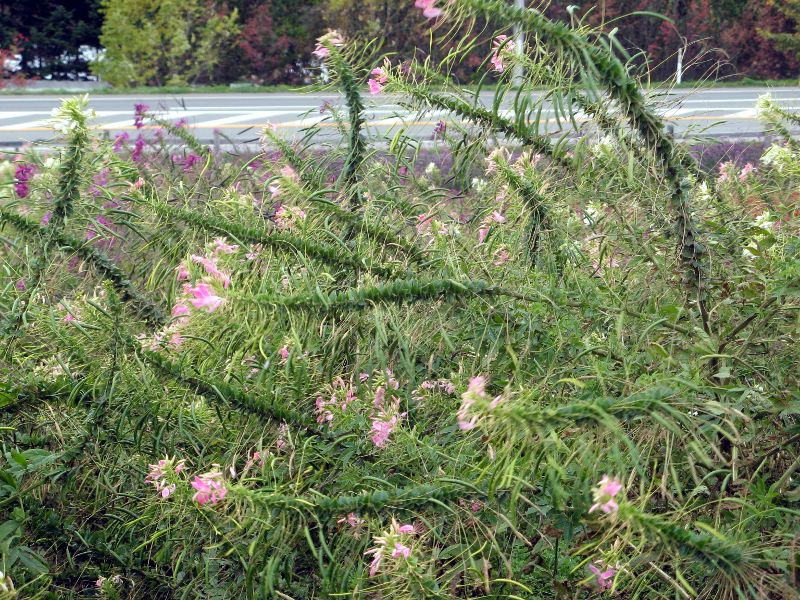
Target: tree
[(57, 34), (163, 42), (277, 39), (784, 41)]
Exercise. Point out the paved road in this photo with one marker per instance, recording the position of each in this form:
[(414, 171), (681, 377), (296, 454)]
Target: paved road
[(724, 112)]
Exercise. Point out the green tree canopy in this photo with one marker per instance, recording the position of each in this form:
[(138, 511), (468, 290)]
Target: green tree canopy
[(163, 42)]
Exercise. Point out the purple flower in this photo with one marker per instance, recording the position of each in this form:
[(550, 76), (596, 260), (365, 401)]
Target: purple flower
[(23, 174), (136, 154), (46, 218), (101, 180), (139, 114), (439, 129), (181, 123), (21, 283), (119, 140)]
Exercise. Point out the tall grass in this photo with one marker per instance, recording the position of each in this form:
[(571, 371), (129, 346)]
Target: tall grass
[(565, 366)]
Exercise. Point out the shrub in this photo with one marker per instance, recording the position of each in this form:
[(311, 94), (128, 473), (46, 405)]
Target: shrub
[(539, 369)]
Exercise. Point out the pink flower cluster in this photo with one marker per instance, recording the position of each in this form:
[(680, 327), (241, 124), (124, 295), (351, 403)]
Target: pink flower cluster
[(210, 265), (501, 256), (69, 317), (287, 217), (604, 578), (475, 393), (444, 384), (375, 86), (159, 338), (161, 472), (429, 11), (427, 225), (486, 225), (502, 49), (341, 397), (395, 538), (210, 487), (525, 160), (745, 172), (388, 416), (355, 524), (494, 158), (204, 297), (604, 495), (334, 38), (258, 457), (381, 430)]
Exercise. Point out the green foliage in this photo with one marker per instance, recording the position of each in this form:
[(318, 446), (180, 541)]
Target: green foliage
[(318, 372), (162, 42)]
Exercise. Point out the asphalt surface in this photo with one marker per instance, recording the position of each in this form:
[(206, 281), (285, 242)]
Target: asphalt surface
[(719, 112)]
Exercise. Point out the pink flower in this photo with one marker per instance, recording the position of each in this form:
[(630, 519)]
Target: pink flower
[(406, 529), (289, 173), (748, 168), (474, 392), (604, 495), (210, 488), (724, 171), (175, 341), (501, 258), (167, 490), (68, 318), (223, 246), (182, 272), (46, 218), (428, 10), (476, 385), (180, 310), (497, 217), (382, 430), (203, 297), (210, 264), (502, 49), (604, 577), (380, 75), (374, 87), (400, 550), (363, 377), (333, 38), (376, 560)]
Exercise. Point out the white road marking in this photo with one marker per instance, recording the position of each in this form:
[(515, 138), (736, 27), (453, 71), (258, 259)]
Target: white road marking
[(254, 117), (16, 115)]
